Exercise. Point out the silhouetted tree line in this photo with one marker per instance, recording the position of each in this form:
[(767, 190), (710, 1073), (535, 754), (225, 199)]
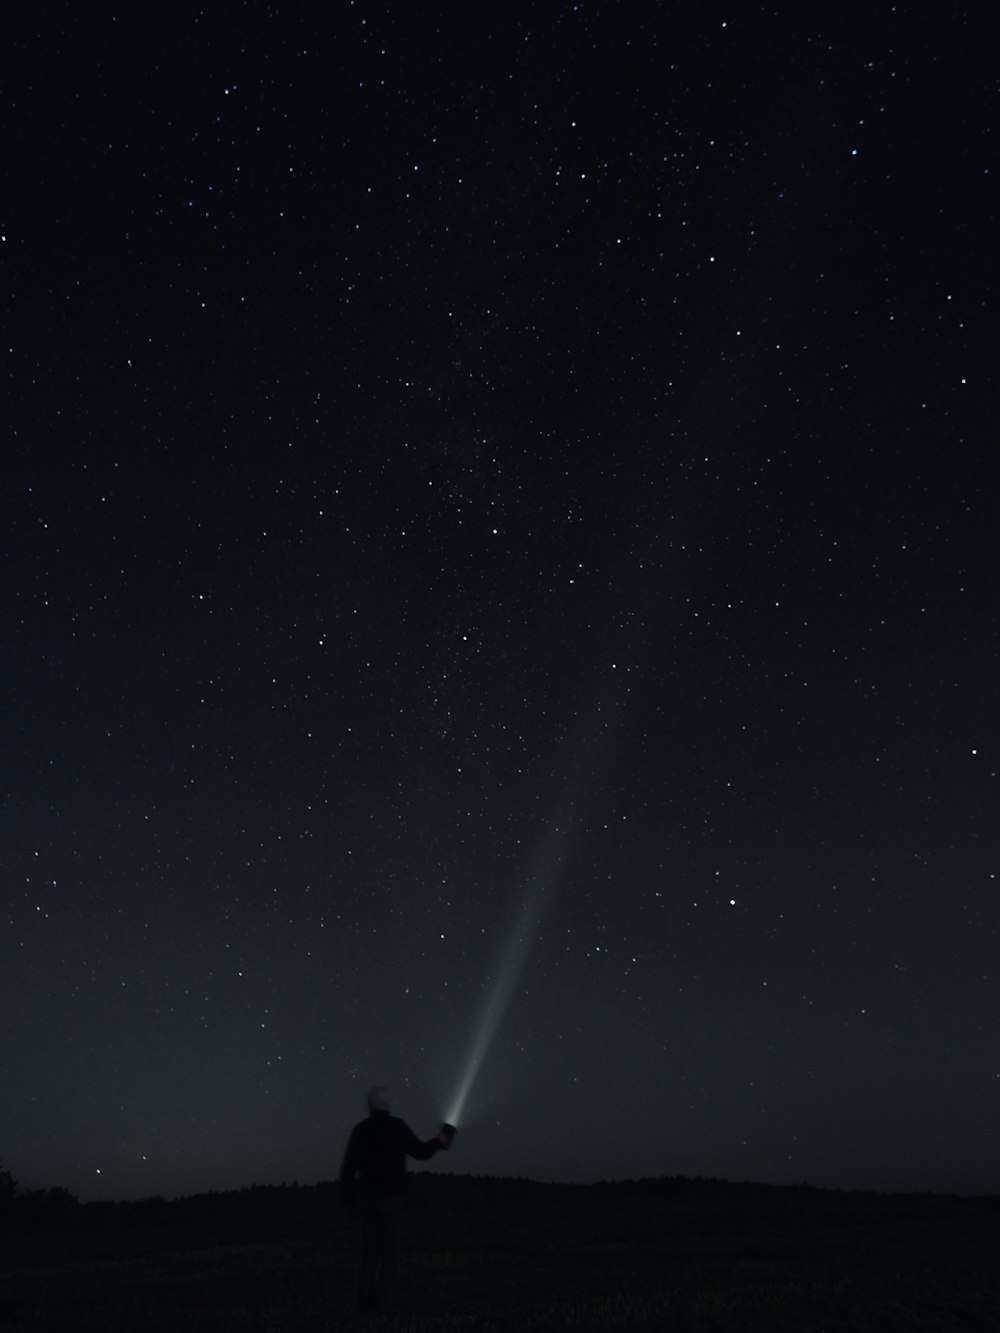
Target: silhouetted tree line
[(47, 1225), (29, 1205), (21, 1207), (260, 1212)]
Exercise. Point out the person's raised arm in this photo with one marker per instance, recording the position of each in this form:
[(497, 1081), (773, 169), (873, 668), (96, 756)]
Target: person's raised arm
[(422, 1150)]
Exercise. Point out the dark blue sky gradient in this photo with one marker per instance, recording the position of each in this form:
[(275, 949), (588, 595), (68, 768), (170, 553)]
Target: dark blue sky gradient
[(425, 427)]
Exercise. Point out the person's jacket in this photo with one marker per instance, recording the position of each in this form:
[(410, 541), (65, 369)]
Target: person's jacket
[(374, 1165)]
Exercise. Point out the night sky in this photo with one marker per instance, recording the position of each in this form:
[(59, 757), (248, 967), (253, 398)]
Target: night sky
[(499, 496)]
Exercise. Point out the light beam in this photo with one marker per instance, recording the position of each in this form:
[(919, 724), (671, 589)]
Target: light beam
[(542, 885)]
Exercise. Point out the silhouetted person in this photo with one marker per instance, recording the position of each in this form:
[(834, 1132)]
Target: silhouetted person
[(372, 1180)]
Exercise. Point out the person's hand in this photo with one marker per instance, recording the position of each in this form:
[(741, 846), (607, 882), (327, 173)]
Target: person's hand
[(445, 1135)]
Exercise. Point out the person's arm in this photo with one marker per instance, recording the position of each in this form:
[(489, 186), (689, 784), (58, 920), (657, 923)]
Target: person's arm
[(421, 1151)]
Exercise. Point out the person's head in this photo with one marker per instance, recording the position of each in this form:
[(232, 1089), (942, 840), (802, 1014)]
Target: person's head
[(378, 1101)]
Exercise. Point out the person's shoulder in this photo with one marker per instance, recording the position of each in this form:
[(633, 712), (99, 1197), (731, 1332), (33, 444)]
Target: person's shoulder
[(399, 1128), (379, 1124)]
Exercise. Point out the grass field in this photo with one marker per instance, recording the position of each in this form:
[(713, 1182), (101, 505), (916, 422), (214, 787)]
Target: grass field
[(606, 1264)]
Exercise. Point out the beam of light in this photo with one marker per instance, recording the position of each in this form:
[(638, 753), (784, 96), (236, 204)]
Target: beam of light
[(543, 882)]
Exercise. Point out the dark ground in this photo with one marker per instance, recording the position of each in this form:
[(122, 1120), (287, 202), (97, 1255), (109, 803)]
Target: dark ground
[(502, 1255)]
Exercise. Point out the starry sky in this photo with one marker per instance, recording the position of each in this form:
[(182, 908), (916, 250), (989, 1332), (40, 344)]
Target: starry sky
[(498, 502)]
